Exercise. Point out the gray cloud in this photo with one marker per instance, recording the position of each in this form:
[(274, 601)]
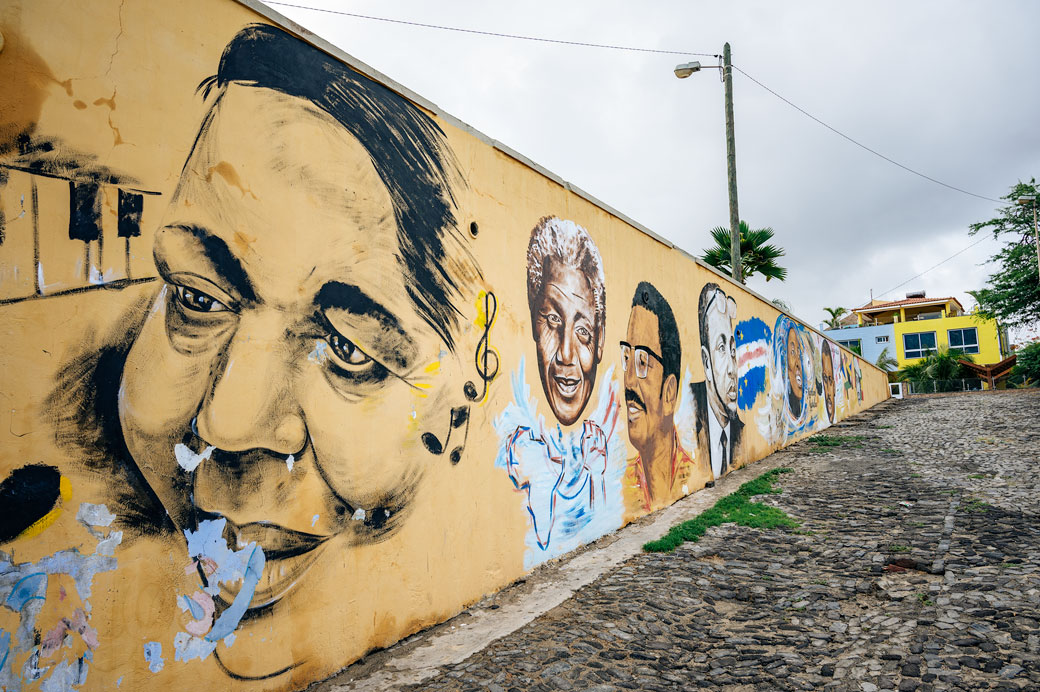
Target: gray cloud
[(947, 88)]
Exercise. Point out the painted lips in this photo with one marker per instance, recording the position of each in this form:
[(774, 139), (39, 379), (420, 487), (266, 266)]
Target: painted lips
[(566, 386), (289, 554)]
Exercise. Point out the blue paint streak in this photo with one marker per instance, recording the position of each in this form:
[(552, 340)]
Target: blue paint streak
[(26, 590), (195, 608), (229, 619), (5, 647)]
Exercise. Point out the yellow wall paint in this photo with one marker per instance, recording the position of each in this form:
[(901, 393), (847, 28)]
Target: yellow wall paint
[(120, 381), (986, 329)]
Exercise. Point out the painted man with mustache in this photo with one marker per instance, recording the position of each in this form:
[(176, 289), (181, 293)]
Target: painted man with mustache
[(651, 357), (716, 397)]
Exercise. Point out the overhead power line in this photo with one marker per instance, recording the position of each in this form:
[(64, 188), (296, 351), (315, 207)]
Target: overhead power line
[(860, 145), (933, 267), (495, 34), (634, 49)]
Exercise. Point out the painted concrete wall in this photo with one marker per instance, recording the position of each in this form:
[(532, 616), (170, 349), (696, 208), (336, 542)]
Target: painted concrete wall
[(295, 367)]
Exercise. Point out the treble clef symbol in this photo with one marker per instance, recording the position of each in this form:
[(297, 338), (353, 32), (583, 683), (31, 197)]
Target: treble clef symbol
[(485, 358)]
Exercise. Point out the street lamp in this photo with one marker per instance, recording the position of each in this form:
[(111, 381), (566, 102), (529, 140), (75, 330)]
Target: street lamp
[(682, 72), (1031, 199)]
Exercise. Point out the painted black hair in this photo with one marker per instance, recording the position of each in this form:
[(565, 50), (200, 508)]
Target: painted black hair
[(707, 292), (407, 148), (647, 296)]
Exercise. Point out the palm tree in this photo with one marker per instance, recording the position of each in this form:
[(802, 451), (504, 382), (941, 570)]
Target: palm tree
[(835, 314), (938, 369), (756, 257), (884, 360)]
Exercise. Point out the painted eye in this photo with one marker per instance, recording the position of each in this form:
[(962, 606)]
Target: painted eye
[(553, 319), (347, 351), (584, 333), (197, 301)]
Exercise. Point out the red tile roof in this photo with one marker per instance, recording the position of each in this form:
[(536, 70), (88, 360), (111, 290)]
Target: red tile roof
[(888, 305)]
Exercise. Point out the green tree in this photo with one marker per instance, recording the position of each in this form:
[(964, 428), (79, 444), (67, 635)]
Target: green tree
[(1027, 366), (836, 315), (885, 361), (1012, 293), (756, 255), (937, 370)]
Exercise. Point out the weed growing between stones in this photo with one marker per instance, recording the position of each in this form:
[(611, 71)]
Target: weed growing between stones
[(824, 443), (735, 508)]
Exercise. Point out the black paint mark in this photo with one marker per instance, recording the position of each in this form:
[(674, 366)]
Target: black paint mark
[(110, 286), (473, 229), (131, 204), (3, 218), (26, 496), (37, 288), (485, 358), (84, 408), (84, 211), (459, 418)]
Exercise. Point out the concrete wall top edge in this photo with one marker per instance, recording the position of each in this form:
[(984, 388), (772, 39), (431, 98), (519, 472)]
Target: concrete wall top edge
[(337, 52)]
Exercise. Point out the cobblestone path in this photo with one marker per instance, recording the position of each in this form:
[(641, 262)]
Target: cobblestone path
[(915, 568)]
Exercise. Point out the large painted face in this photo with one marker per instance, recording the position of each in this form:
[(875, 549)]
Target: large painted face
[(828, 380), (282, 349), (720, 355), (651, 400), (794, 373), (567, 340)]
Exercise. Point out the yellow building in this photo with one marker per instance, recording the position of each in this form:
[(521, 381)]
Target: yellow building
[(919, 325)]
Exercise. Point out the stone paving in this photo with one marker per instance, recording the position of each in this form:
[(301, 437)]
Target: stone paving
[(915, 568)]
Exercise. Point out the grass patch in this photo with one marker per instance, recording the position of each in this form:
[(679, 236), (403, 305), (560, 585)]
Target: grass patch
[(977, 506), (915, 475), (923, 599), (889, 450), (735, 508), (823, 443), (897, 548)]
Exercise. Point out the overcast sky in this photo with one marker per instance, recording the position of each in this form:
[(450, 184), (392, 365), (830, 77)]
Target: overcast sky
[(947, 88)]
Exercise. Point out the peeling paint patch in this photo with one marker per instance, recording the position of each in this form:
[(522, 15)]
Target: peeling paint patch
[(208, 547), (289, 461), (153, 655), (189, 460)]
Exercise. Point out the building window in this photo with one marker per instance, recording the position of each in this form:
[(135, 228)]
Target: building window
[(918, 345), (854, 345), (881, 339), (965, 340)]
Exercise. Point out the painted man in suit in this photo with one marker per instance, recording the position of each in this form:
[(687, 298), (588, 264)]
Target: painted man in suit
[(718, 425)]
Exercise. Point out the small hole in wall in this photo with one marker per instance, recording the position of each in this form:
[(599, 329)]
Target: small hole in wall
[(473, 230)]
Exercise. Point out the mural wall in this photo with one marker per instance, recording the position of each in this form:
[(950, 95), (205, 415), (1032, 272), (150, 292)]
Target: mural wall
[(295, 367)]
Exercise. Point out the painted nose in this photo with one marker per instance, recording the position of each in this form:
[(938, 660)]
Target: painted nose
[(251, 404)]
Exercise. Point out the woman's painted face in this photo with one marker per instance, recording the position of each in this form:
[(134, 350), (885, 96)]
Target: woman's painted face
[(281, 355), (794, 372)]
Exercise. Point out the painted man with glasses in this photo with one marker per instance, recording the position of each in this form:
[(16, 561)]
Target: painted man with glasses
[(651, 356), (716, 397)]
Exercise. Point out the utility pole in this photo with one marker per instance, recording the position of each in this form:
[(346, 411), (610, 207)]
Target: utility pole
[(731, 160), (682, 72)]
